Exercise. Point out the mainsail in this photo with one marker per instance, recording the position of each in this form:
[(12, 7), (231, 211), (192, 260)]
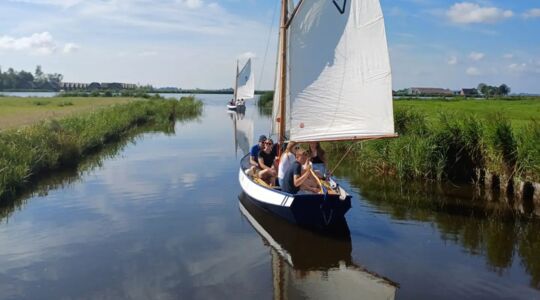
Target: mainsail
[(245, 82), (339, 83)]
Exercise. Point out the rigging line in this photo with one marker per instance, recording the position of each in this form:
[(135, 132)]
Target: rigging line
[(268, 43), (343, 158)]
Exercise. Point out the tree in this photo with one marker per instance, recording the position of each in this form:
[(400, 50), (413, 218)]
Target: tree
[(504, 90), (38, 74), (481, 87)]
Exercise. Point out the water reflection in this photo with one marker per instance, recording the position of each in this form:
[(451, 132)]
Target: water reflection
[(306, 265), (491, 230), (243, 130)]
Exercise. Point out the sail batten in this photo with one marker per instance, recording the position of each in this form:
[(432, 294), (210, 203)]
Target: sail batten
[(245, 82), (339, 80)]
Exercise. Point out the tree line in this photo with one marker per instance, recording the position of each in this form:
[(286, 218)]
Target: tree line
[(22, 80), (491, 91)]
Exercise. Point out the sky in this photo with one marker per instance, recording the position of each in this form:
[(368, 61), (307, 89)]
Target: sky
[(195, 43)]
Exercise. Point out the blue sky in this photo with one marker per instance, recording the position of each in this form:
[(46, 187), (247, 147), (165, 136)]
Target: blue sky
[(194, 43)]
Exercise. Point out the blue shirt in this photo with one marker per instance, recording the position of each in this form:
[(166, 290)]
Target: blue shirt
[(255, 152)]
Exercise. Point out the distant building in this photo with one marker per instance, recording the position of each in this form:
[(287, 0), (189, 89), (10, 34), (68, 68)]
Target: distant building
[(416, 91), (469, 92), (70, 86)]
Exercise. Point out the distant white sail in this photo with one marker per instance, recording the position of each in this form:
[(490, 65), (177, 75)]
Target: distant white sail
[(246, 82), (339, 76)]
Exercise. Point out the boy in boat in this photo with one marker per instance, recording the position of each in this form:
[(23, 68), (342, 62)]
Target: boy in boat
[(296, 176), (266, 160), (254, 153)]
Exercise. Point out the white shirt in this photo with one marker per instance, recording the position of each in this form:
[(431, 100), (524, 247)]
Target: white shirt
[(285, 163)]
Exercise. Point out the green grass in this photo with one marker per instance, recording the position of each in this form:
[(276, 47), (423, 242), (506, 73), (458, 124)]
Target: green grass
[(450, 140), (16, 112), (518, 112), (49, 145)]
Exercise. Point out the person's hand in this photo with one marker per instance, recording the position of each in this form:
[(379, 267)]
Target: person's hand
[(308, 167)]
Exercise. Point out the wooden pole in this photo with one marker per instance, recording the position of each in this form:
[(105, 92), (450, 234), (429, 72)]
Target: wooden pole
[(283, 71), (236, 83)]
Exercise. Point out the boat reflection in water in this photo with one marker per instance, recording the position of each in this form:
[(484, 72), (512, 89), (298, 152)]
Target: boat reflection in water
[(243, 131), (307, 265)]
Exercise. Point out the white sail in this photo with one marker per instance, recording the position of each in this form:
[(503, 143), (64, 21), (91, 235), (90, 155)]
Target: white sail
[(244, 134), (246, 82), (339, 76)]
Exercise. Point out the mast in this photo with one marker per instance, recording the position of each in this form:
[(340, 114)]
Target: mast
[(236, 83), (283, 71)]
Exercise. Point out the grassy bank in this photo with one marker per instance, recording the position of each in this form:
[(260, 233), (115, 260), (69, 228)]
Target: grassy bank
[(266, 100), (29, 151), (441, 141), (16, 111)]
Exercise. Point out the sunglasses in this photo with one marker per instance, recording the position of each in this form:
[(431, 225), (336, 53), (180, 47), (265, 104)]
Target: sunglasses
[(268, 143)]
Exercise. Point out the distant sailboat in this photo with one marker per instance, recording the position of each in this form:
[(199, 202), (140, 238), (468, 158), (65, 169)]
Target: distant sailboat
[(333, 83), (244, 86)]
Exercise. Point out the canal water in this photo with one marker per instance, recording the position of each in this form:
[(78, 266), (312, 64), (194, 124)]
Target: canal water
[(161, 216)]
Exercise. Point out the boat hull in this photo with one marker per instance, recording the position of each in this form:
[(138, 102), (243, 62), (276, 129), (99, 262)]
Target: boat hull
[(316, 211)]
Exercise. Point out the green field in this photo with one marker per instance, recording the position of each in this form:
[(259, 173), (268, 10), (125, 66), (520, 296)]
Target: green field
[(15, 111), (518, 112)]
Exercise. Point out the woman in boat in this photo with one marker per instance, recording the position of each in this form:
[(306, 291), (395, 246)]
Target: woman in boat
[(267, 158), (318, 159), (286, 161)]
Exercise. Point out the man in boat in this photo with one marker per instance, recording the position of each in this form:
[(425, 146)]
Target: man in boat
[(296, 176), (266, 160), (254, 153)]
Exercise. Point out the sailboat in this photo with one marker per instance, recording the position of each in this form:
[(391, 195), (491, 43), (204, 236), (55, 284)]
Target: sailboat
[(244, 86), (306, 265), (333, 83)]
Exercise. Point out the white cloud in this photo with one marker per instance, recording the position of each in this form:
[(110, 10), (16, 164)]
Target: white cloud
[(508, 56), (62, 3), (193, 3), (467, 13), (472, 71), (38, 43), (148, 53), (453, 60), (247, 55), (532, 13), (476, 56), (70, 48)]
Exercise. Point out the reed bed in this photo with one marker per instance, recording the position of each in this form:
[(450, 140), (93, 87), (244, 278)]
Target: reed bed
[(451, 147), (30, 151)]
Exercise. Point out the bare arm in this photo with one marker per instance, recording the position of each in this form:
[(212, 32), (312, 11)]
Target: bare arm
[(299, 180), (253, 162)]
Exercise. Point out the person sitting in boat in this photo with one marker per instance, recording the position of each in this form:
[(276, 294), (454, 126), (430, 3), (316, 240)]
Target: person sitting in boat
[(296, 176), (231, 102), (268, 171), (318, 159), (254, 153), (286, 161)]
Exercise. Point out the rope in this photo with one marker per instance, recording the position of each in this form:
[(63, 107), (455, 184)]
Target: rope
[(343, 158), (268, 44)]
